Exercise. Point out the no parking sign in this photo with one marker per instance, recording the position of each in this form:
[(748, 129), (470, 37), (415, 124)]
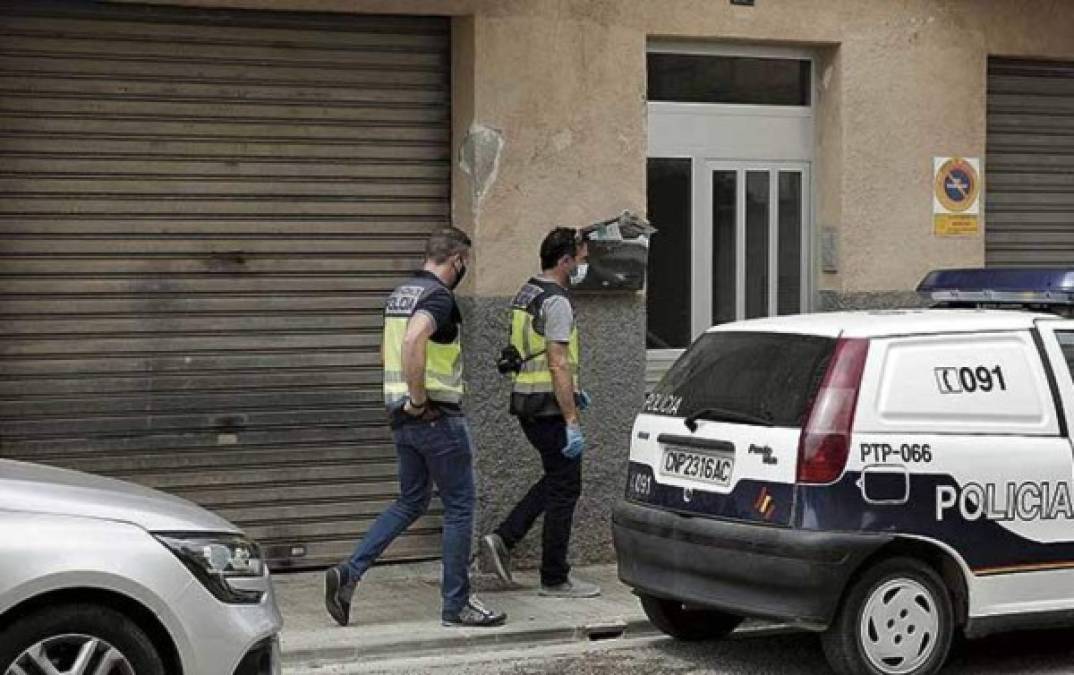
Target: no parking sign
[(956, 198)]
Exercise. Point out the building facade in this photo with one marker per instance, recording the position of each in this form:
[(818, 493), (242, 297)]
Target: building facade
[(205, 202)]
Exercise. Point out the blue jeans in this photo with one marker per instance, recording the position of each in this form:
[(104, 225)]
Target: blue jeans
[(439, 453)]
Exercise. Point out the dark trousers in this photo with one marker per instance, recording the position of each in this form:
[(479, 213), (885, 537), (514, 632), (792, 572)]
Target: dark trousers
[(554, 495), (439, 453)]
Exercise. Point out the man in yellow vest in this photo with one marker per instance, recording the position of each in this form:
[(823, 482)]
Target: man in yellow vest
[(546, 399), (423, 386)]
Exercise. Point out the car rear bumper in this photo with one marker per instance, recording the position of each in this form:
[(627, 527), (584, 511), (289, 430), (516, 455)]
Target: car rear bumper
[(759, 571)]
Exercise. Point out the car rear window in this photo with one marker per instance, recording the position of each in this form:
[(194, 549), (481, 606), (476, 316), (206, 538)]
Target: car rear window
[(771, 376)]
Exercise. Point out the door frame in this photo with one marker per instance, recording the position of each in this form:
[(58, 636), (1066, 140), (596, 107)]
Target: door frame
[(678, 130)]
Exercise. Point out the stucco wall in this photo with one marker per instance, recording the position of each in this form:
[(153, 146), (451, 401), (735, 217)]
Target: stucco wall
[(563, 82), (574, 132), (550, 128)]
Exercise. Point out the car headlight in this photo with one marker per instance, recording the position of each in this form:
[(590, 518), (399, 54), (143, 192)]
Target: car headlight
[(218, 559)]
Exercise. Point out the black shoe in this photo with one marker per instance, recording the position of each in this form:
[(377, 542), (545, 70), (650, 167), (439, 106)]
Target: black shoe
[(477, 615), (338, 590), (499, 556)]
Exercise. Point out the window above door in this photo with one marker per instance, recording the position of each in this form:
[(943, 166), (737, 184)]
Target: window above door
[(703, 78)]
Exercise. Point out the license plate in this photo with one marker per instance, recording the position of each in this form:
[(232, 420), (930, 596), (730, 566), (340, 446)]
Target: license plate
[(715, 468)]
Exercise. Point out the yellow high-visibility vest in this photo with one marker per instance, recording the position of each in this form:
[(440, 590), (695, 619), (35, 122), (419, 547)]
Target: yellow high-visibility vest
[(533, 394), (443, 361)]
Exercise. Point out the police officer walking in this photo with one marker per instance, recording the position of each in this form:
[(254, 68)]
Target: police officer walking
[(422, 351), (546, 399)]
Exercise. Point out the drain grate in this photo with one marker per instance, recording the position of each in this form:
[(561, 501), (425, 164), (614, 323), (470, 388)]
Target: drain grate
[(605, 631)]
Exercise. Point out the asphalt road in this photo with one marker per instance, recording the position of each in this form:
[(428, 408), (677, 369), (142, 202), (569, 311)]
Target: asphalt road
[(789, 654)]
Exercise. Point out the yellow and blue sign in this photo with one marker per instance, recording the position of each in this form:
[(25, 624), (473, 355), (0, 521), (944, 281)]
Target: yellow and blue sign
[(956, 196)]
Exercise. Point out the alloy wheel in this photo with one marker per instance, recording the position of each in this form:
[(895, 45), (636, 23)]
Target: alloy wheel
[(71, 655), (899, 626)]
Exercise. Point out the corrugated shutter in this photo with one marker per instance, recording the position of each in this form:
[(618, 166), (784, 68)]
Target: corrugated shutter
[(1029, 167), (201, 213)]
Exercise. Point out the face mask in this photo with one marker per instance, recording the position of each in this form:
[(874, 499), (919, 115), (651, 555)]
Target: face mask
[(460, 272), (578, 275)]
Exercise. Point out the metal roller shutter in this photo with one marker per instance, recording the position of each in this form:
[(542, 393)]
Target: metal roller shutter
[(1029, 167), (201, 213)]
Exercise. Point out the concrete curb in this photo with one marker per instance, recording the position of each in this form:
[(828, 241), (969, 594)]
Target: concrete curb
[(453, 641), (394, 621), (500, 639)]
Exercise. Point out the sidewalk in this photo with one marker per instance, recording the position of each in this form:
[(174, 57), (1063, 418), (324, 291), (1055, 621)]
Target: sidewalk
[(397, 607)]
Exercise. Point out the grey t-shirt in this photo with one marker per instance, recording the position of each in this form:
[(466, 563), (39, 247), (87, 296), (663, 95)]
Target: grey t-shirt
[(556, 320)]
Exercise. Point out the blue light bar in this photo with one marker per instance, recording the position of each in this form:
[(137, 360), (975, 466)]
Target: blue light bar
[(1006, 285)]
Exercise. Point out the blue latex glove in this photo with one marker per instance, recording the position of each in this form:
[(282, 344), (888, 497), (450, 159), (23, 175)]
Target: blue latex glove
[(575, 442), (582, 400)]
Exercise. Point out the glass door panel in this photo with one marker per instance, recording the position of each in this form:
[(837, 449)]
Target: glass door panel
[(667, 300), (758, 240), (790, 219), (724, 246), (757, 249)]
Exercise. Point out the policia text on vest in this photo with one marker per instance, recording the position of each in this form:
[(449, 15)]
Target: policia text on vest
[(443, 351)]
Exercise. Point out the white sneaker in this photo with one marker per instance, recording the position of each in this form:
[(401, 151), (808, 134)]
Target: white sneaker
[(572, 588), (499, 555)]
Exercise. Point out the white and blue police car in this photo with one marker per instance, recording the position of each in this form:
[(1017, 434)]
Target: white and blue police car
[(887, 478)]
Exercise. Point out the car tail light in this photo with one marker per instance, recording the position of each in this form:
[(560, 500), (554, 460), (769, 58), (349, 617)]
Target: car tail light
[(825, 442)]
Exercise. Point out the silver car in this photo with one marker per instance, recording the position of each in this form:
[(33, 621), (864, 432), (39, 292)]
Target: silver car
[(101, 577)]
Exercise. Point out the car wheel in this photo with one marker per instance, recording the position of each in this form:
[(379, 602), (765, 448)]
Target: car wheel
[(684, 623), (896, 619), (77, 639)]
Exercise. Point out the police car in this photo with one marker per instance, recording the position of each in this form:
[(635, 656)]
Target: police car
[(887, 478)]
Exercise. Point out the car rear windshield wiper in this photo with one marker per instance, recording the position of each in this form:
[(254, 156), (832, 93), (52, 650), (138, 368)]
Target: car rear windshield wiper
[(725, 415)]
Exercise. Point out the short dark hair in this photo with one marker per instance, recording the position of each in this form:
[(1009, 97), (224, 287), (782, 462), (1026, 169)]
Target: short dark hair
[(446, 242), (560, 241)]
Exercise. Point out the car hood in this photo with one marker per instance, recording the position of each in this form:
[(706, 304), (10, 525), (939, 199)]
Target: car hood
[(36, 488)]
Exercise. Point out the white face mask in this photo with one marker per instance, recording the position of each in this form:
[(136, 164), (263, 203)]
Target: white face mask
[(578, 275)]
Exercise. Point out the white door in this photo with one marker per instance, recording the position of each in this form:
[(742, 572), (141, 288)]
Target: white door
[(729, 188)]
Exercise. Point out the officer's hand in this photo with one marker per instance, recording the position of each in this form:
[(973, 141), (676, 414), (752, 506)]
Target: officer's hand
[(575, 442), (582, 400)]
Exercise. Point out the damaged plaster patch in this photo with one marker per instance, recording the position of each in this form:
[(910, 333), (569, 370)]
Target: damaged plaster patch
[(479, 158), (826, 78)]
